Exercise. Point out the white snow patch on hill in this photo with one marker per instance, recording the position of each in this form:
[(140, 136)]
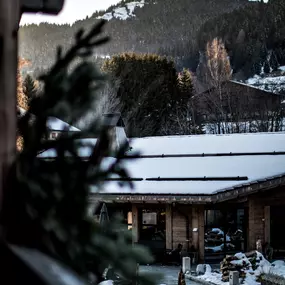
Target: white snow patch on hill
[(123, 13)]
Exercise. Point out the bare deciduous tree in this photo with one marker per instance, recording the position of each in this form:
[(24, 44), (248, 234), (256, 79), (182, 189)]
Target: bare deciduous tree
[(218, 63), (182, 121), (108, 102)]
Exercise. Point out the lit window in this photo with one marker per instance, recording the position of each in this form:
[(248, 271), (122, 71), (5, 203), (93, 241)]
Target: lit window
[(54, 135)]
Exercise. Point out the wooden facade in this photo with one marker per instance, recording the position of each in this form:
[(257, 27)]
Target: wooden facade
[(185, 223), (266, 219), (179, 225)]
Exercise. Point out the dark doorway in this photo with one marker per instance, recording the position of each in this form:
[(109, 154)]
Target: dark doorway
[(152, 231), (277, 234)]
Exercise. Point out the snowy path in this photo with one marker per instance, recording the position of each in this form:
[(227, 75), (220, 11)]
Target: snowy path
[(170, 274)]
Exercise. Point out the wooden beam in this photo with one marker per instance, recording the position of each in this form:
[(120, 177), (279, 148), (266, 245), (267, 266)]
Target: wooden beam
[(255, 222), (267, 224), (135, 223), (195, 226), (201, 232), (9, 24), (169, 226), (150, 198)]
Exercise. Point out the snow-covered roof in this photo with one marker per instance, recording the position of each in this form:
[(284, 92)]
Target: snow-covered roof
[(181, 157), (85, 149), (250, 83), (272, 84), (54, 123), (198, 144)]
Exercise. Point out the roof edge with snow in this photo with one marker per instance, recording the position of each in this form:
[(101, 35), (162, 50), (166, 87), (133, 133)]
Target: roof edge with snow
[(235, 192)]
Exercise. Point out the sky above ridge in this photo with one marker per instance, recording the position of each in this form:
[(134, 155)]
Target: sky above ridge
[(73, 10)]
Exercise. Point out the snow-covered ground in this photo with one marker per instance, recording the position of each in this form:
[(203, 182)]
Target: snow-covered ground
[(169, 274), (124, 12), (276, 267), (253, 126), (216, 278)]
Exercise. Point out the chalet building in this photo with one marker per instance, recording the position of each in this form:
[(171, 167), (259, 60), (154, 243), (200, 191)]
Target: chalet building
[(57, 127), (236, 102), (214, 194), (112, 121)]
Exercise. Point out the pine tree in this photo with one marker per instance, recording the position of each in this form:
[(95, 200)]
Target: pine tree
[(29, 87), (45, 202), (148, 86), (181, 119), (185, 82)]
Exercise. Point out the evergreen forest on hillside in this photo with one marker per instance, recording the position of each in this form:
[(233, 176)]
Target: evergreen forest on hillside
[(148, 32), (252, 31), (157, 69)]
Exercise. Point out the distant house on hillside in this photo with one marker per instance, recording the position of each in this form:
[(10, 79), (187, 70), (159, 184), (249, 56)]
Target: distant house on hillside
[(113, 122), (57, 127), (238, 103)]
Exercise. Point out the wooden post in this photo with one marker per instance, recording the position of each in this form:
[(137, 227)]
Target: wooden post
[(9, 24), (195, 225), (135, 223), (168, 226), (198, 228), (255, 222), (267, 224), (201, 232)]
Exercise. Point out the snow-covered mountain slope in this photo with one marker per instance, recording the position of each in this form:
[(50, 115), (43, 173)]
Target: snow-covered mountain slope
[(123, 12), (274, 82)]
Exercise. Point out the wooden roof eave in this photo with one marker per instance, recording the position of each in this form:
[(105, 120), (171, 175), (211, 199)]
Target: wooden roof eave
[(222, 196), (151, 198), (249, 188)]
